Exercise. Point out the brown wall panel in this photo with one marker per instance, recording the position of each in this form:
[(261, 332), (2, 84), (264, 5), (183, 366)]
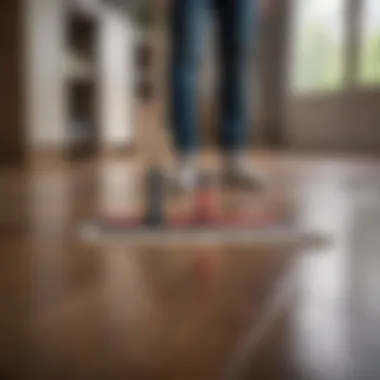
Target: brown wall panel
[(12, 150)]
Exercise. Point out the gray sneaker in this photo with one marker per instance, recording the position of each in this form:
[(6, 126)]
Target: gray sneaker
[(179, 184)]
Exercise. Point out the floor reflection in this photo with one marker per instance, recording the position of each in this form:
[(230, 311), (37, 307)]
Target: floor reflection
[(325, 329)]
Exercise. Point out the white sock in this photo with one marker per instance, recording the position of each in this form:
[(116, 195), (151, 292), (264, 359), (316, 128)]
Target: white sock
[(187, 169), (237, 161)]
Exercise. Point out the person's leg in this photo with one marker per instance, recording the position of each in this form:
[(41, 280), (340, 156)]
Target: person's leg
[(238, 41), (187, 28)]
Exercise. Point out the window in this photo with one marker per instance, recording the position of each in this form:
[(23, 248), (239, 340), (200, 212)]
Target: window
[(317, 57), (370, 44)]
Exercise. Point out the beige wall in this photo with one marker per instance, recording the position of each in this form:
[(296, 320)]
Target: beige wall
[(341, 121)]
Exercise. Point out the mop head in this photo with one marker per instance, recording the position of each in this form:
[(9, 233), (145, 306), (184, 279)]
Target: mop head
[(268, 231)]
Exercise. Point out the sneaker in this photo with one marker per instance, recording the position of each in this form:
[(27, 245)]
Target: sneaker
[(180, 182), (238, 174), (185, 176)]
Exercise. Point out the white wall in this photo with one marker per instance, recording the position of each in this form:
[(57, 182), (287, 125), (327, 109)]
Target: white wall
[(116, 81), (44, 27)]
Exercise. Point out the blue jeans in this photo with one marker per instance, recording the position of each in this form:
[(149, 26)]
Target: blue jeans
[(237, 40)]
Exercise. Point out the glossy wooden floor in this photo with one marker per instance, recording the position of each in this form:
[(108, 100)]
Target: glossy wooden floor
[(69, 311)]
